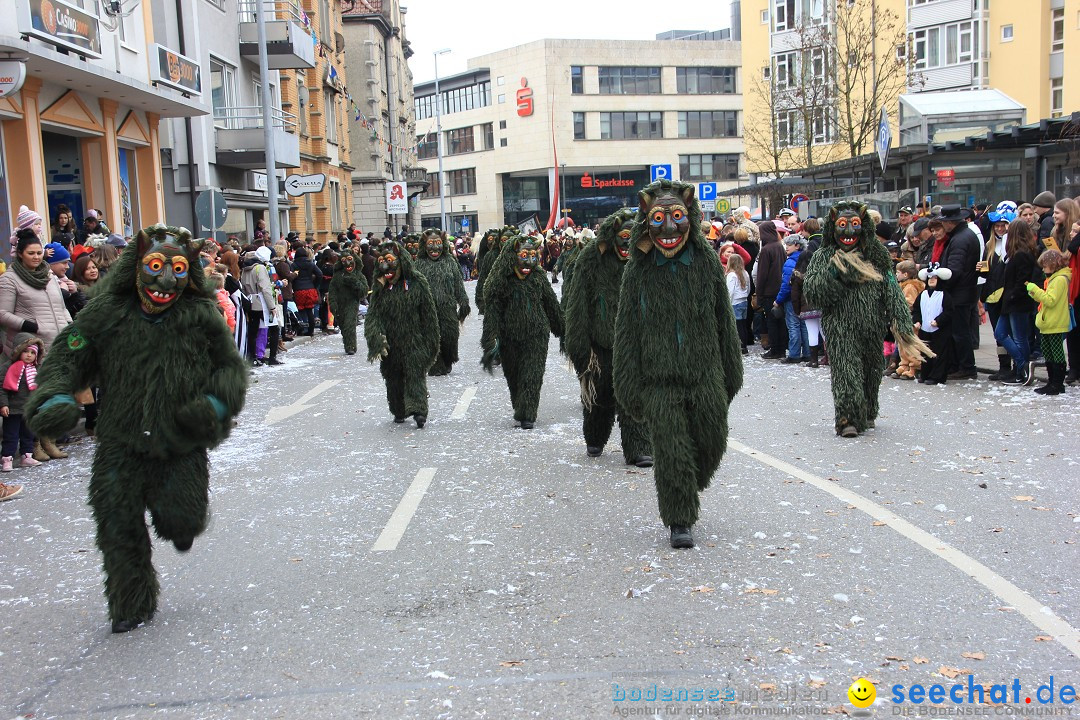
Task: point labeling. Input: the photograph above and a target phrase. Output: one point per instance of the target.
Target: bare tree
(761, 134)
(874, 67)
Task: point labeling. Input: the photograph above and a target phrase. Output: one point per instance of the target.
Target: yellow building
(317, 98)
(1019, 47)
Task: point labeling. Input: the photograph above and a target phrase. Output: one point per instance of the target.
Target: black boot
(815, 353)
(1005, 369)
(593, 451)
(273, 334)
(681, 537)
(1055, 385)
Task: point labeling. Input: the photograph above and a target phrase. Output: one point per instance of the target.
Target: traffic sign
(660, 172)
(723, 206)
(708, 207)
(884, 139)
(211, 209)
(297, 185)
(798, 199)
(465, 223)
(706, 191)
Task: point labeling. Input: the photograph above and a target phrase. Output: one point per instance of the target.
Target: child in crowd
(1053, 318)
(932, 313)
(738, 285)
(225, 303)
(20, 379)
(911, 286)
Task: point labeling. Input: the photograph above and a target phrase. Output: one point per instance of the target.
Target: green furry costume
(851, 279)
(412, 245)
(488, 246)
(565, 264)
(402, 330)
(505, 234)
(348, 288)
(678, 360)
(443, 273)
(171, 380)
(521, 309)
(590, 304)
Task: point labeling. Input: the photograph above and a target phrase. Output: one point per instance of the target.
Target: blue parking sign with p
(660, 172)
(706, 191)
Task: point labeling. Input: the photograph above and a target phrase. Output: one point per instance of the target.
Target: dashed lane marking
(463, 404)
(399, 521)
(1038, 614)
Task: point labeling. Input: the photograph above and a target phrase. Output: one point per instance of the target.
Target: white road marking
(284, 412)
(399, 521)
(463, 404)
(1038, 614)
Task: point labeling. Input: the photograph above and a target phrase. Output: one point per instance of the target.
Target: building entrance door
(63, 175)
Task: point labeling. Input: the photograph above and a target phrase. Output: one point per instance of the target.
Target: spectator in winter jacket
(767, 278)
(1044, 213)
(798, 349)
(961, 255)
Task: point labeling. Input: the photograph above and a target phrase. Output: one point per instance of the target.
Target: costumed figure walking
(402, 331)
(851, 280)
(438, 265)
(591, 304)
(521, 310)
(504, 236)
(412, 246)
(678, 359)
(153, 340)
(348, 288)
(489, 245)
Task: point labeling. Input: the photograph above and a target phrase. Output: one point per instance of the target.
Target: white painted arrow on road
(284, 412)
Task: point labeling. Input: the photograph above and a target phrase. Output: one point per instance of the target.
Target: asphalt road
(358, 568)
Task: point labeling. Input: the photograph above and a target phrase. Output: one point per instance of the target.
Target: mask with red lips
(433, 244)
(849, 226)
(667, 220)
(164, 267)
(526, 259)
(387, 263)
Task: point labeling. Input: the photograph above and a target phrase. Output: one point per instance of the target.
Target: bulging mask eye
(856, 223)
(841, 223)
(677, 214)
(658, 217)
(155, 265)
(180, 267)
(624, 234)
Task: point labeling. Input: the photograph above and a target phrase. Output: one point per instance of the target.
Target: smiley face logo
(862, 693)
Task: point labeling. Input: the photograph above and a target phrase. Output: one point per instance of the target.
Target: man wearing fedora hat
(961, 255)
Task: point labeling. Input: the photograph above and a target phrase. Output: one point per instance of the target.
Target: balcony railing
(275, 10)
(249, 117)
(288, 33)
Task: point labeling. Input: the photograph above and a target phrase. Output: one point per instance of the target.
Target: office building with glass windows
(578, 126)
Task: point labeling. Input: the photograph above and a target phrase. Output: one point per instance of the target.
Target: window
(631, 125)
(629, 80)
(766, 72)
(501, 80)
(784, 15)
(787, 128)
(708, 167)
(577, 80)
(1056, 98)
(709, 124)
(502, 124)
(1006, 33)
(222, 92)
(427, 146)
(459, 141)
(787, 70)
(219, 4)
(579, 126)
(705, 80)
(502, 99)
(947, 45)
(488, 131)
(330, 109)
(432, 186)
(461, 182)
(470, 97)
(817, 64)
(823, 127)
(1057, 30)
(302, 95)
(764, 17)
(325, 24)
(335, 205)
(502, 142)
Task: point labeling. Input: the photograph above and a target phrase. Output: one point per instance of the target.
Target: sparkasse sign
(587, 181)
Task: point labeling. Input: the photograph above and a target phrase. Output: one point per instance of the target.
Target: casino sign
(60, 24)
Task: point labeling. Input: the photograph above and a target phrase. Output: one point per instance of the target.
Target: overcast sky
(477, 27)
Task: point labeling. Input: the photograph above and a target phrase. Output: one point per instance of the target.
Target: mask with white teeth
(164, 267)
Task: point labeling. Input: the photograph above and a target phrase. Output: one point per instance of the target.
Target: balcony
(417, 179)
(240, 143)
(288, 44)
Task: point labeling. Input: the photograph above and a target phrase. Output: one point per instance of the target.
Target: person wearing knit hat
(1044, 212)
(56, 253)
(27, 219)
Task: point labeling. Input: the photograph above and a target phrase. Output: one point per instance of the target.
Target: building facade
(381, 124)
(83, 130)
(1018, 48)
(576, 126)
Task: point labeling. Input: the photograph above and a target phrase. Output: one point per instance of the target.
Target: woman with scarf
(31, 302)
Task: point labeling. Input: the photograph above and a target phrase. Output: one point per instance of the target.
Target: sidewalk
(986, 354)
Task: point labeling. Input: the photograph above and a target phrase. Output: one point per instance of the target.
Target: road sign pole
(268, 128)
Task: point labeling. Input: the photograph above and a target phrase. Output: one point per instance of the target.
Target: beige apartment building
(578, 125)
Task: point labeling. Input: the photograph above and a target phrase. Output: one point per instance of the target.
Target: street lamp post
(439, 140)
